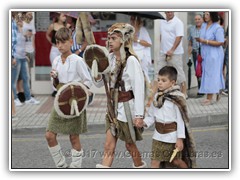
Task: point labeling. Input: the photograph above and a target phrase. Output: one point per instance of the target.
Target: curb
(195, 122)
(209, 120)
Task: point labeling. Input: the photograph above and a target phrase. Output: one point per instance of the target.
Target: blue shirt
(14, 37)
(193, 33)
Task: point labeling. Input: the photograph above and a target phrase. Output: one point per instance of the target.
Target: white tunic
(73, 70)
(168, 113)
(169, 30)
(134, 80)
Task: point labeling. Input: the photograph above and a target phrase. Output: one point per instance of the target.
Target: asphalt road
(29, 148)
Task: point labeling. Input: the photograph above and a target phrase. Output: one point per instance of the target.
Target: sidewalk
(36, 116)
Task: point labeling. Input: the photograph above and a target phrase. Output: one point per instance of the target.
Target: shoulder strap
(120, 82)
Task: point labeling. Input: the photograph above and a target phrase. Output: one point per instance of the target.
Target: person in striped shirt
(76, 48)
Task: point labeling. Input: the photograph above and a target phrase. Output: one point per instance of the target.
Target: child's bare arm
(179, 144)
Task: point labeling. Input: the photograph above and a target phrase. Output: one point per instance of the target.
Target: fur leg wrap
(101, 166)
(76, 158)
(58, 157)
(144, 165)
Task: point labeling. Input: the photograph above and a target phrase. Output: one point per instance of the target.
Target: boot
(142, 166)
(58, 157)
(76, 158)
(101, 166)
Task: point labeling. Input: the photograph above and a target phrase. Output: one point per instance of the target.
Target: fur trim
(161, 95)
(59, 112)
(123, 53)
(175, 96)
(106, 53)
(127, 32)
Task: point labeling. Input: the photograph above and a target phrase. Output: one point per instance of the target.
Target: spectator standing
(21, 66)
(13, 55)
(19, 85)
(226, 62)
(29, 32)
(142, 44)
(59, 22)
(194, 46)
(171, 49)
(76, 48)
(212, 40)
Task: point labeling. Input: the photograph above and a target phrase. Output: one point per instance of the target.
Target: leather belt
(125, 96)
(165, 128)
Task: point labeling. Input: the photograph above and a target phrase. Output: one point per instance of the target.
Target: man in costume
(124, 84)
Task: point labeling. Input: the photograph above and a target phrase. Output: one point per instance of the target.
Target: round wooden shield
(98, 53)
(68, 95)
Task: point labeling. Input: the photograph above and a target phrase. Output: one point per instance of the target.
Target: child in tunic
(127, 78)
(168, 112)
(70, 68)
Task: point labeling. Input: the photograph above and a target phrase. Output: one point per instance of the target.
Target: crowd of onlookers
(208, 39)
(23, 48)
